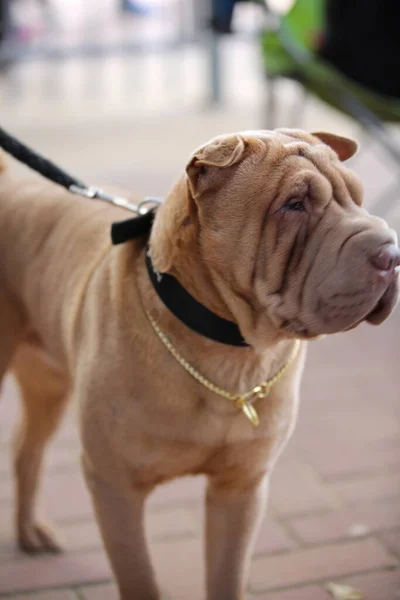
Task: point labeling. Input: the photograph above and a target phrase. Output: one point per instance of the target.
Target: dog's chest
(176, 443)
(155, 461)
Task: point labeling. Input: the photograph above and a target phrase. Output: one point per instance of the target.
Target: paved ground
(334, 513)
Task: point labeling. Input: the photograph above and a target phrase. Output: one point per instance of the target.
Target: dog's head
(275, 219)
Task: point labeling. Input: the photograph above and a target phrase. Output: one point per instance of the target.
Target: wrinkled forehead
(289, 142)
(297, 151)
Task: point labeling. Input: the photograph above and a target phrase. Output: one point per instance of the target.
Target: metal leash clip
(99, 194)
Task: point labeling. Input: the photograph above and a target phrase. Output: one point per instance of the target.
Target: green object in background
(304, 25)
(291, 51)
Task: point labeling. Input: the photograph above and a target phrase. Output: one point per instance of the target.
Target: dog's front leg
(234, 510)
(119, 513)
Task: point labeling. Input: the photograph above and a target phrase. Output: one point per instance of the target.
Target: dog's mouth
(386, 303)
(384, 306)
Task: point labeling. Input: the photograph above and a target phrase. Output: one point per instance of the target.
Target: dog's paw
(36, 538)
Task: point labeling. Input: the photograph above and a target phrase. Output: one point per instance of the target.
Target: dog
(265, 236)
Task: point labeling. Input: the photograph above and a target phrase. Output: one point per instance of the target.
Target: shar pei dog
(184, 347)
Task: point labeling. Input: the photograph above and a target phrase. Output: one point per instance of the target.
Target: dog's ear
(207, 161)
(344, 147)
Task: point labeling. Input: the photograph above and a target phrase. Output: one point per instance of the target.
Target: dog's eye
(295, 204)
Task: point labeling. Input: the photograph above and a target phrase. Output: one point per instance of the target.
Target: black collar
(178, 300)
(188, 310)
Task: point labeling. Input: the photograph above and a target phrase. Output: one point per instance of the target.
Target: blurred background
(135, 84)
(120, 92)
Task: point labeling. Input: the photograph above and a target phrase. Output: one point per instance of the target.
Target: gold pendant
(249, 411)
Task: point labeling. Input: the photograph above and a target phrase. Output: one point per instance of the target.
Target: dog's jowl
(184, 347)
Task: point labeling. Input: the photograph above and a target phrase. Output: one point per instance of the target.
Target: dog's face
(278, 221)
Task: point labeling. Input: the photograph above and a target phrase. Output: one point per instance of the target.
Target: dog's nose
(387, 258)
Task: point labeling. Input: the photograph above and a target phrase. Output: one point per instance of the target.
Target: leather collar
(191, 312)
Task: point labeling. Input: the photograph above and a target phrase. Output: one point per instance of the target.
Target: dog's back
(50, 241)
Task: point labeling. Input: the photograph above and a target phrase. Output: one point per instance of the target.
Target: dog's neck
(192, 312)
(174, 250)
(194, 276)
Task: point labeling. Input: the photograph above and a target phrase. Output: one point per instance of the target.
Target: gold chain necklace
(242, 401)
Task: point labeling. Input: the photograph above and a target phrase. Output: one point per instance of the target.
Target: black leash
(35, 161)
(178, 300)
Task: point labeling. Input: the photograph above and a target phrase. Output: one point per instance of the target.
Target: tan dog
(265, 229)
